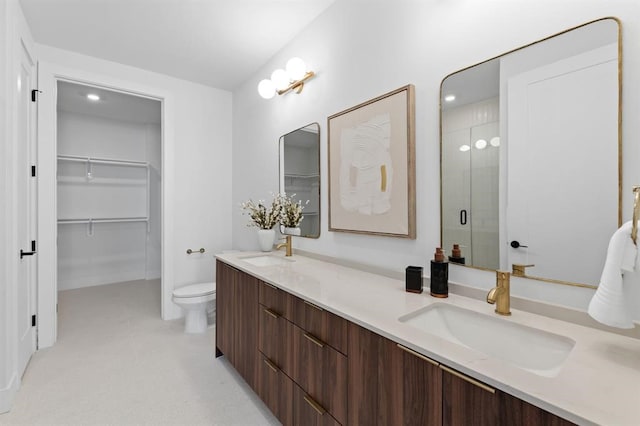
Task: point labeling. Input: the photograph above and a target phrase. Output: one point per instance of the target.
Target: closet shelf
(109, 161)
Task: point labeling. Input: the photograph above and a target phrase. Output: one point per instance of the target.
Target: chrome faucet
(500, 294)
(286, 244)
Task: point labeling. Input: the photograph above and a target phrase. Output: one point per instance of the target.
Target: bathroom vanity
(327, 344)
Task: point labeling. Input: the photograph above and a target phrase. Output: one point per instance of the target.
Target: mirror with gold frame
(300, 175)
(530, 156)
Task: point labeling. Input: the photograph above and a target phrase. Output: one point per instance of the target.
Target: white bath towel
(610, 304)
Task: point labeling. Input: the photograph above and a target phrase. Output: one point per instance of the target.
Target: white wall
(113, 252)
(14, 32)
(195, 169)
(360, 50)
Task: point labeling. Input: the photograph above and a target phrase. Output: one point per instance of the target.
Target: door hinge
(33, 320)
(33, 171)
(34, 95)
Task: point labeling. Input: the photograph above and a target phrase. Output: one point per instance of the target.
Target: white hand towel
(610, 304)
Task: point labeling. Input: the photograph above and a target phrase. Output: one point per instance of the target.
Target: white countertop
(599, 382)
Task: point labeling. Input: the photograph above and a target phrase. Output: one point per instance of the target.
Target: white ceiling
(219, 43)
(113, 105)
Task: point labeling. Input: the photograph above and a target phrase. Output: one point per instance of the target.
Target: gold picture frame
(372, 168)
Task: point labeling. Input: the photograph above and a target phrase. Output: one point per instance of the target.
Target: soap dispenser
(456, 255)
(439, 275)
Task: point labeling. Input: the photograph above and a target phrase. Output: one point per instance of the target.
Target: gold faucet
(500, 294)
(286, 244)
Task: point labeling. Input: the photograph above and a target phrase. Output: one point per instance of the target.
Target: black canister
(413, 279)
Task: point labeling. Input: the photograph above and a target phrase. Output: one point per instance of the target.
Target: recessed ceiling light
(450, 98)
(93, 97)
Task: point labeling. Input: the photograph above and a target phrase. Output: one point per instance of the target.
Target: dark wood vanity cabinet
(312, 367)
(389, 385)
(237, 320)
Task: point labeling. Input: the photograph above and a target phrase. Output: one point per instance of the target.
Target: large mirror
(530, 149)
(300, 175)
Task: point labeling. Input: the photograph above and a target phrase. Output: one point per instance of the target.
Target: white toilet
(198, 303)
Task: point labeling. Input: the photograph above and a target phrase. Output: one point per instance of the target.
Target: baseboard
(8, 394)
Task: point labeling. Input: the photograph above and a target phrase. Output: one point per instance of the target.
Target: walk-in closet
(109, 187)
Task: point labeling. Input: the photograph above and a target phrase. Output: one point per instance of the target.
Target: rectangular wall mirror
(300, 174)
(530, 156)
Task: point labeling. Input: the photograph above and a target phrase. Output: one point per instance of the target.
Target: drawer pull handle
(271, 313)
(314, 340)
(270, 285)
(313, 306)
(414, 353)
(315, 405)
(468, 379)
(271, 365)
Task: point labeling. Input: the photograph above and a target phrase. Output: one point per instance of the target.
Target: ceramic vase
(291, 231)
(266, 238)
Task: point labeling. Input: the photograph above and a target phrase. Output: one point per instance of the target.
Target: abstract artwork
(372, 166)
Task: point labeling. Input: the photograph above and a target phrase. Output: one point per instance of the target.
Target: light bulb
(280, 79)
(481, 144)
(267, 89)
(296, 68)
(93, 97)
(495, 141)
(464, 148)
(450, 98)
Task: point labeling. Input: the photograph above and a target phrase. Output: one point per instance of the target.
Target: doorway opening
(109, 186)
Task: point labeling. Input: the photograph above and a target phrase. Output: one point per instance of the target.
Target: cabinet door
(321, 371)
(225, 317)
(467, 401)
(274, 338)
(323, 324)
(246, 327)
(308, 412)
(276, 390)
(390, 384)
(514, 411)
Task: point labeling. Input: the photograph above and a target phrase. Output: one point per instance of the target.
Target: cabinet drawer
(320, 371)
(309, 412)
(274, 337)
(273, 298)
(276, 390)
(329, 327)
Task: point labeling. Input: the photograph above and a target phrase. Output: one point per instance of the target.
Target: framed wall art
(372, 166)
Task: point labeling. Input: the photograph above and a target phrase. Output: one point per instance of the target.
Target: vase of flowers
(291, 215)
(264, 218)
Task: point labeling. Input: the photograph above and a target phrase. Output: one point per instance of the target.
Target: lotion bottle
(456, 255)
(439, 275)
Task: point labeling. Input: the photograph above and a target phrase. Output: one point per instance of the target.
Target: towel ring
(636, 212)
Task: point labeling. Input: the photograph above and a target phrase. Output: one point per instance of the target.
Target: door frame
(48, 76)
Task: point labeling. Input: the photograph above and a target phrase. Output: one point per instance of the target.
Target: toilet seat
(195, 290)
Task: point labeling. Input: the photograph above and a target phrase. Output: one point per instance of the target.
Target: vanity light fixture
(93, 97)
(283, 81)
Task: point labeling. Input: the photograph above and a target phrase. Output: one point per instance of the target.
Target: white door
(26, 211)
(563, 121)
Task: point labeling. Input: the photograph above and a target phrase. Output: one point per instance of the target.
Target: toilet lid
(193, 290)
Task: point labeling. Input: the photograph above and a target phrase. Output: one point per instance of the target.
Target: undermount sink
(531, 349)
(266, 260)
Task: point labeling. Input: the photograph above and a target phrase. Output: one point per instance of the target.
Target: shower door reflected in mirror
(530, 148)
(300, 174)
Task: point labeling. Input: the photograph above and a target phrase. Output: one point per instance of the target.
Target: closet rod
(103, 161)
(104, 220)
